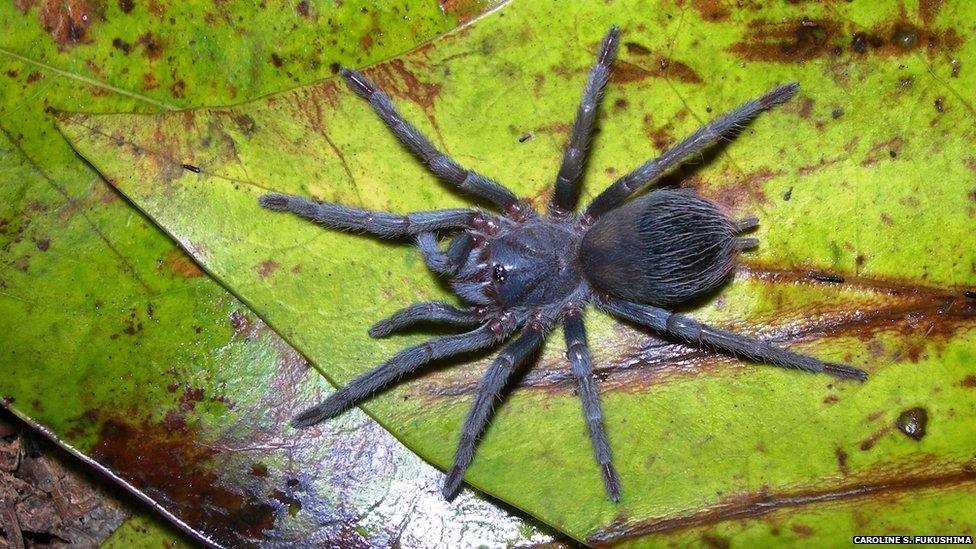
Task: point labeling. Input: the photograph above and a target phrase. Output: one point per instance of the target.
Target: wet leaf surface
(863, 185)
(116, 343)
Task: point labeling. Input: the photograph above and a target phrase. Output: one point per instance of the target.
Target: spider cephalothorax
(632, 258)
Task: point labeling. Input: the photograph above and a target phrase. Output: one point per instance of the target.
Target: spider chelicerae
(634, 259)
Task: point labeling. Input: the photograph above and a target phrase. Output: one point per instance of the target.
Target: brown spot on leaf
(633, 48)
(398, 80)
(802, 530)
(785, 41)
(928, 10)
(663, 67)
(151, 46)
(22, 263)
(245, 123)
(33, 77)
(880, 150)
(302, 8)
(968, 382)
(67, 21)
(711, 10)
(181, 265)
(243, 325)
(122, 45)
(132, 325)
(801, 106)
(43, 244)
(792, 41)
(266, 267)
(912, 422)
(841, 461)
(190, 397)
(126, 5)
(178, 88)
(276, 60)
(869, 442)
(716, 542)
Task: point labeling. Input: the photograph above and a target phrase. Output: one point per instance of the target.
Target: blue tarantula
(634, 259)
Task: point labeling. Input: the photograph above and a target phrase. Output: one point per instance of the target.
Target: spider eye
(498, 273)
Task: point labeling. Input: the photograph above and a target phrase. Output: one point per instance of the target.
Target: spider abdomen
(663, 248)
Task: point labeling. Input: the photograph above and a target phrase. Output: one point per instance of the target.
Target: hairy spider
(635, 259)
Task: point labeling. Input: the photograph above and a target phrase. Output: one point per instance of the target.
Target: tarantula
(634, 259)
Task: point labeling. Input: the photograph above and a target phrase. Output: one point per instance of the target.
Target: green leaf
(116, 343)
(864, 177)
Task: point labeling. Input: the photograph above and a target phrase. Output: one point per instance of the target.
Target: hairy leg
(564, 198)
(691, 330)
(579, 357)
(651, 170)
(379, 223)
(436, 259)
(489, 391)
(439, 164)
(402, 363)
(430, 311)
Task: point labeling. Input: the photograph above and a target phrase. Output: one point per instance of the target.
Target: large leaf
(864, 190)
(116, 343)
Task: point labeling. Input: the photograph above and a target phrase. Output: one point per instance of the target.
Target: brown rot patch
(889, 484)
(150, 45)
(266, 267)
(841, 461)
(245, 123)
(122, 45)
(633, 48)
(397, 80)
(712, 10)
(786, 41)
(799, 40)
(912, 422)
(870, 441)
(661, 66)
(180, 264)
(883, 150)
(68, 21)
(173, 468)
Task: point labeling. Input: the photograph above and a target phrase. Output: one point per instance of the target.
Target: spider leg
(437, 162)
(691, 330)
(579, 357)
(564, 198)
(378, 223)
(436, 259)
(436, 311)
(489, 391)
(402, 363)
(651, 170)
